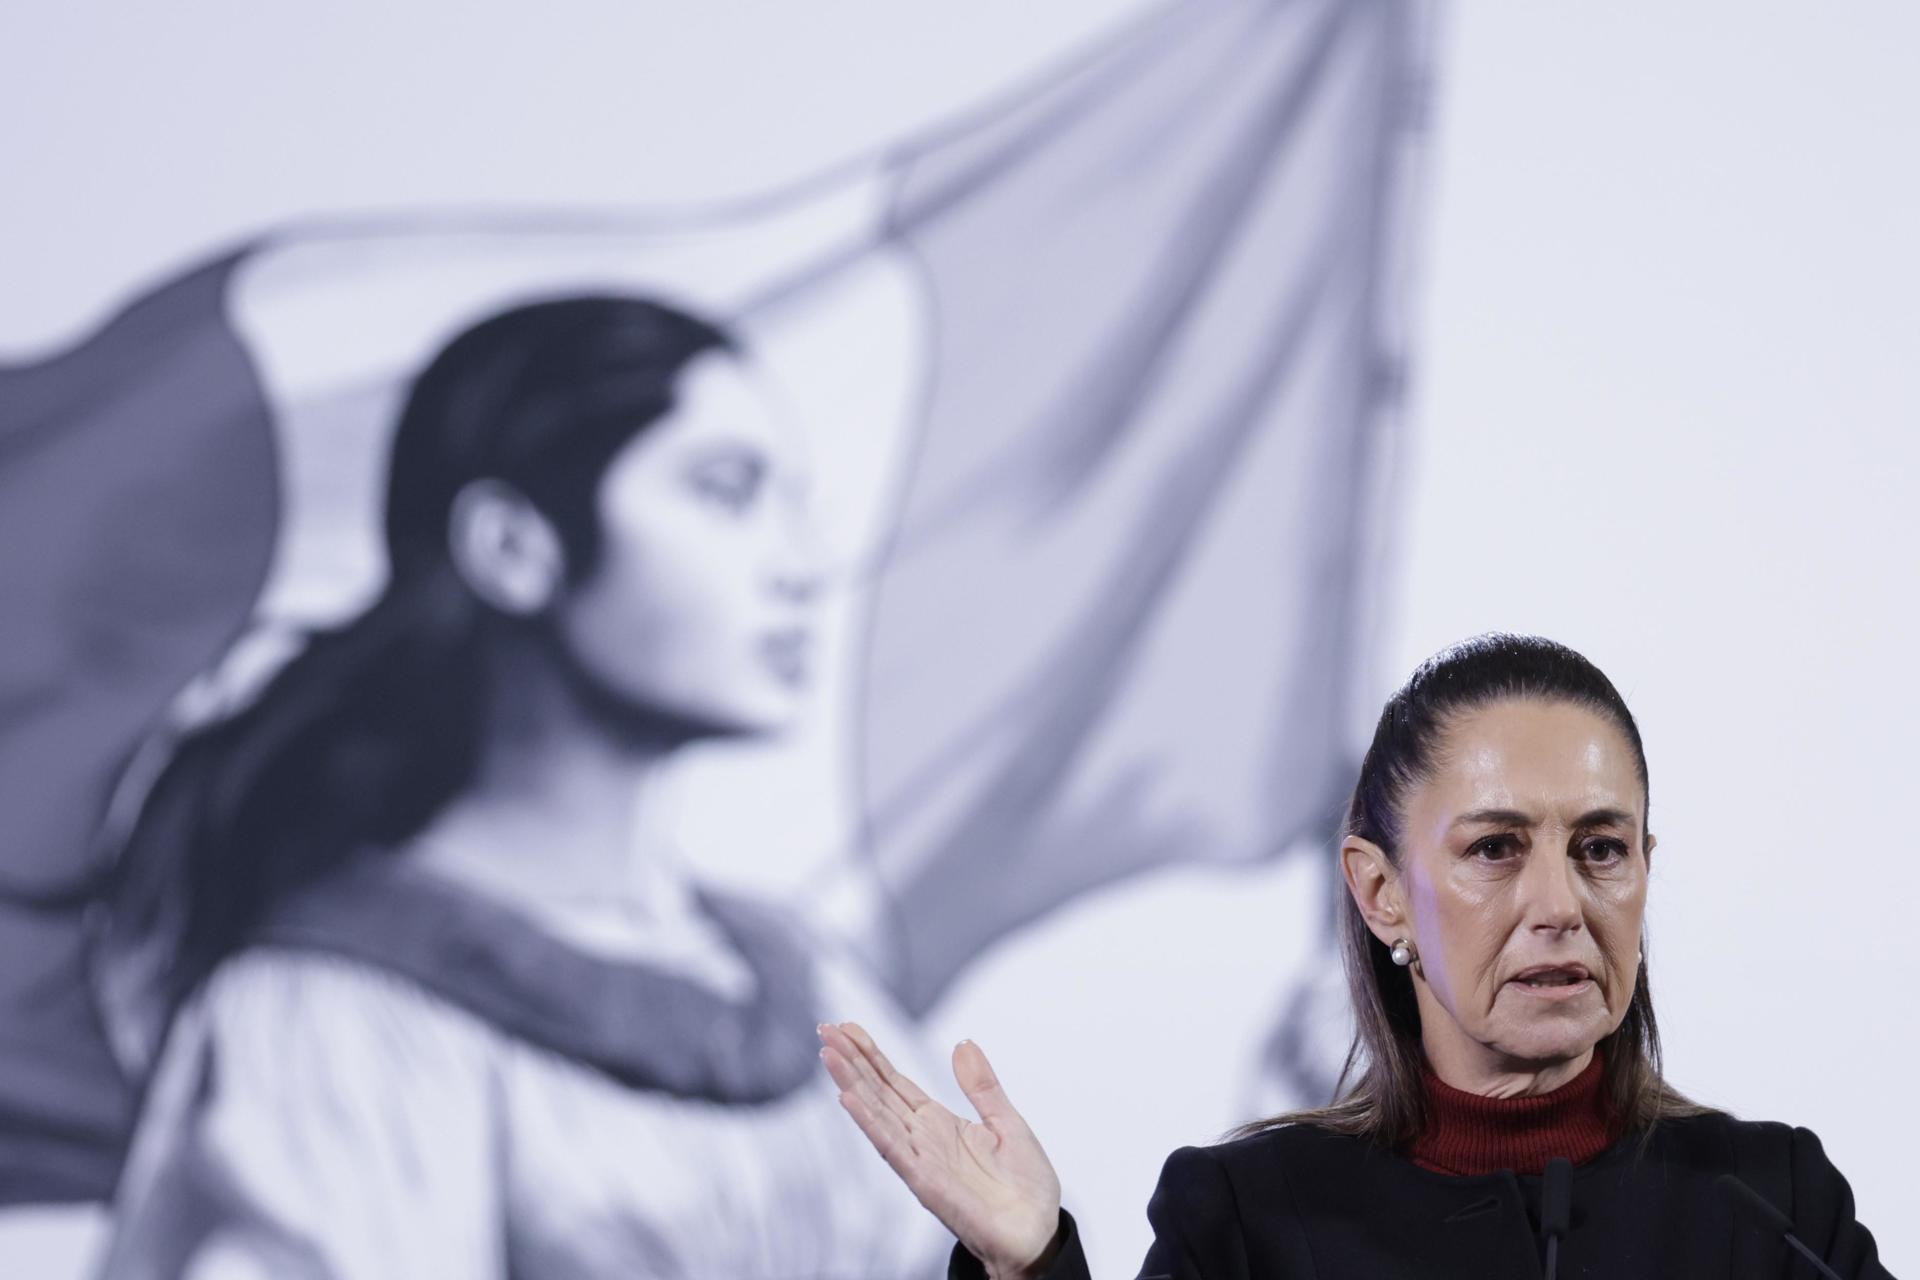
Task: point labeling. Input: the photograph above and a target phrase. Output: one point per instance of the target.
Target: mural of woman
(425, 987)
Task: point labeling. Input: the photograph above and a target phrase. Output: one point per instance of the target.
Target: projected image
(490, 684)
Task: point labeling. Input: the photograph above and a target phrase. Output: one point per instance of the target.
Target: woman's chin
(1547, 1046)
(748, 719)
(1555, 1036)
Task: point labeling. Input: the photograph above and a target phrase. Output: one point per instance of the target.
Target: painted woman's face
(701, 605)
(1523, 884)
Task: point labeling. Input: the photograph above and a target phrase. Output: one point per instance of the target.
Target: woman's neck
(561, 805)
(555, 835)
(1476, 1069)
(1467, 1134)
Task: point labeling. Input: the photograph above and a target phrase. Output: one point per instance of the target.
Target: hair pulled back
(1386, 1102)
(373, 726)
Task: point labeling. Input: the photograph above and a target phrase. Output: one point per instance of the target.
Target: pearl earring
(1403, 953)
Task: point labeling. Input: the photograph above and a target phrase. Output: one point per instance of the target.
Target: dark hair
(1387, 1102)
(374, 726)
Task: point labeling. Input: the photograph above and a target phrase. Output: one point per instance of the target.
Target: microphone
(1774, 1218)
(1556, 1208)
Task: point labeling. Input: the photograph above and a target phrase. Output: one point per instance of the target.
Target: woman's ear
(1375, 885)
(505, 550)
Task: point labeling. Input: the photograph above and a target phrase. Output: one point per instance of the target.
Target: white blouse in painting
(403, 1078)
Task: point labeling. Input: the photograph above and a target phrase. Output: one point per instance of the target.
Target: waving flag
(1099, 376)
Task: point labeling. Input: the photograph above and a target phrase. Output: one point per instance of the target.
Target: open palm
(989, 1182)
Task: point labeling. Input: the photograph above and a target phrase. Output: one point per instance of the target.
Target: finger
(924, 1177)
(868, 1088)
(852, 1079)
(863, 1073)
(885, 1122)
(839, 1067)
(907, 1089)
(881, 1128)
(888, 1136)
(976, 1078)
(844, 1073)
(867, 1070)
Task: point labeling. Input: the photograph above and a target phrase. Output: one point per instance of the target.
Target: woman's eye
(1494, 848)
(733, 484)
(1603, 850)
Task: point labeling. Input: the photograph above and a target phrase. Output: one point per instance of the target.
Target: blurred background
(1657, 270)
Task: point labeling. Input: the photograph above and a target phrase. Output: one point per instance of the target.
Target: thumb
(976, 1079)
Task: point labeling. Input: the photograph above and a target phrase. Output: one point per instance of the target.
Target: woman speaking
(1507, 1115)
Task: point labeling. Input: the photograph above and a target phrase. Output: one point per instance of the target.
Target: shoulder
(1784, 1161)
(1274, 1165)
(274, 983)
(310, 1107)
(1718, 1142)
(1787, 1167)
(289, 1018)
(1712, 1141)
(1296, 1145)
(1261, 1192)
(288, 1063)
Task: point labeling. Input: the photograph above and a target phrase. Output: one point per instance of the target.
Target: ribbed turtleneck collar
(1467, 1134)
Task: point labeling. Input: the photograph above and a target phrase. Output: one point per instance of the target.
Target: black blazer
(1302, 1203)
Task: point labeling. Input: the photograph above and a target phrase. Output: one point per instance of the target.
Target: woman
(1495, 858)
(429, 992)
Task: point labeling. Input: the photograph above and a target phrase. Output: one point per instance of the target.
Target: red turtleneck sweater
(1467, 1134)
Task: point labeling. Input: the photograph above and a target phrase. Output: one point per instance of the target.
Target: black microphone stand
(1556, 1208)
(1779, 1221)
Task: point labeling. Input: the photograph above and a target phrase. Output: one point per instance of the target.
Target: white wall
(1668, 402)
(1663, 410)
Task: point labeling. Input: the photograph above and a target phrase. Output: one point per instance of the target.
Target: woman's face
(700, 606)
(1522, 885)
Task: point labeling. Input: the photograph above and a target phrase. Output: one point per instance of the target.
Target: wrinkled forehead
(1550, 759)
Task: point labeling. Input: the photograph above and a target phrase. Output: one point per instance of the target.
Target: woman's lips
(1553, 991)
(786, 654)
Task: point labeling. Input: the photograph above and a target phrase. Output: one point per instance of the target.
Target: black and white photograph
(866, 642)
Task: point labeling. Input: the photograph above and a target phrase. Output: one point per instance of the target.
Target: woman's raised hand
(989, 1182)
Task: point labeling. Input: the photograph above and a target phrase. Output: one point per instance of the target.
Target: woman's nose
(800, 568)
(796, 585)
(1553, 894)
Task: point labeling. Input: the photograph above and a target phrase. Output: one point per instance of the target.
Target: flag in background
(1116, 624)
(1095, 377)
